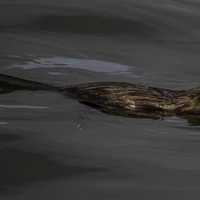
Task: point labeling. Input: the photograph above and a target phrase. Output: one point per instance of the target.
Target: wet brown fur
(119, 98)
(134, 100)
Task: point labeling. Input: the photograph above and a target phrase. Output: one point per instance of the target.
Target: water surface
(53, 147)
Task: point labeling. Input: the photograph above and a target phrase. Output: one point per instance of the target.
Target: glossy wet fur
(127, 99)
(118, 98)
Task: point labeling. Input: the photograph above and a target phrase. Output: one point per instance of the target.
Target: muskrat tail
(11, 83)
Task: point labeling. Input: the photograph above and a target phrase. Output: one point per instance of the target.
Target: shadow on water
(20, 167)
(9, 138)
(192, 121)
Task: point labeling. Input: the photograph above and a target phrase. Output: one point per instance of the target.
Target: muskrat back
(126, 99)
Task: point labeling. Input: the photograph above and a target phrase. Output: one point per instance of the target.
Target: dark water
(52, 147)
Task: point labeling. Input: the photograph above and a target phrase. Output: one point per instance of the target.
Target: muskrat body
(118, 98)
(133, 100)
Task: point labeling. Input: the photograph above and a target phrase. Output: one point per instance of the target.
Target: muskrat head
(195, 105)
(189, 102)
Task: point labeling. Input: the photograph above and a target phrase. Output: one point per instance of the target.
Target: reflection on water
(23, 106)
(3, 123)
(74, 63)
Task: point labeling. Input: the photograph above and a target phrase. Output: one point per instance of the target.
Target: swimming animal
(119, 98)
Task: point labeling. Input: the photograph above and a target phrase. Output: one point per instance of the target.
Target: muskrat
(119, 98)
